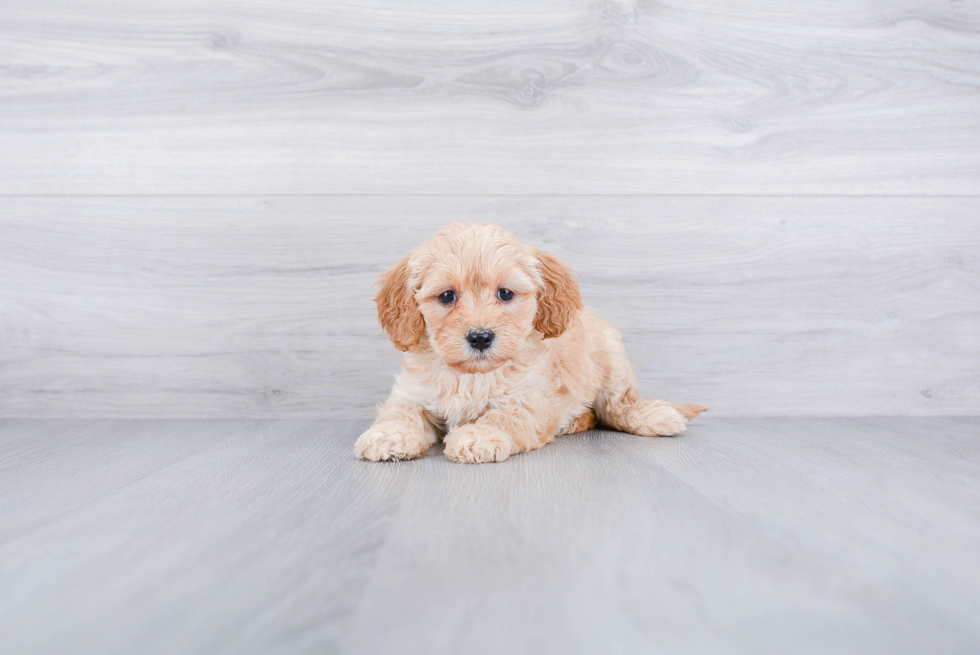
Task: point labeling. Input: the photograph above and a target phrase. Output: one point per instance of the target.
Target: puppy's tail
(688, 410)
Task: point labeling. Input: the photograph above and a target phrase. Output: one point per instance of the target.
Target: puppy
(500, 355)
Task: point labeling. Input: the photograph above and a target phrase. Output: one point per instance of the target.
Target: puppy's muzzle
(479, 339)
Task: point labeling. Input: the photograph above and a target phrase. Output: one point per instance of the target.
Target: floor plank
(616, 96)
(259, 542)
(69, 464)
(762, 536)
(743, 535)
(263, 306)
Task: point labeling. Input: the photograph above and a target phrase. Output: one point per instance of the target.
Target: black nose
(480, 339)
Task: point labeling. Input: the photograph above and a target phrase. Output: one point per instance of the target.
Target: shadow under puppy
(500, 355)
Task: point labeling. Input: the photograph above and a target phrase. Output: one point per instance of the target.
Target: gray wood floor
(744, 535)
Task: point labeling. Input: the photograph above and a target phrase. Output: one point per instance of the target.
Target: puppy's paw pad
(651, 420)
(471, 444)
(386, 441)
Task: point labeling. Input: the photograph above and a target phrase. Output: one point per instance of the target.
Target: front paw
(477, 444)
(390, 440)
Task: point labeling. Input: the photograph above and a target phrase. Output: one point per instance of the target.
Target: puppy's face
(478, 294)
(477, 312)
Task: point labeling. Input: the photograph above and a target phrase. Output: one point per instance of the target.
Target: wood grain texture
(616, 96)
(755, 536)
(261, 541)
(743, 535)
(263, 306)
(90, 460)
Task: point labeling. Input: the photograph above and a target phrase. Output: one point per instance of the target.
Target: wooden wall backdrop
(263, 306)
(777, 203)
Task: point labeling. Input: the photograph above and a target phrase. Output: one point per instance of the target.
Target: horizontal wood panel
(263, 306)
(108, 97)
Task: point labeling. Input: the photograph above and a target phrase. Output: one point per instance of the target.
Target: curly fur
(554, 366)
(559, 299)
(398, 313)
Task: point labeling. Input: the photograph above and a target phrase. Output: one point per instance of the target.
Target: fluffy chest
(454, 398)
(466, 398)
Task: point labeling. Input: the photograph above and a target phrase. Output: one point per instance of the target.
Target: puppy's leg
(627, 412)
(619, 404)
(498, 434)
(584, 421)
(400, 432)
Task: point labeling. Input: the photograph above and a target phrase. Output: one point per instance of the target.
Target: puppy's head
(477, 294)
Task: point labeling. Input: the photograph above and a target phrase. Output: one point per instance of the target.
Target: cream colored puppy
(500, 355)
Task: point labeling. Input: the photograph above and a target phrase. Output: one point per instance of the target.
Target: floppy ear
(559, 300)
(398, 312)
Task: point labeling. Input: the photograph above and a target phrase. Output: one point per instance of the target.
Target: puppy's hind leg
(619, 404)
(627, 412)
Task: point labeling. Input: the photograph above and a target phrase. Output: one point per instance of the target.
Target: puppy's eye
(505, 294)
(447, 297)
